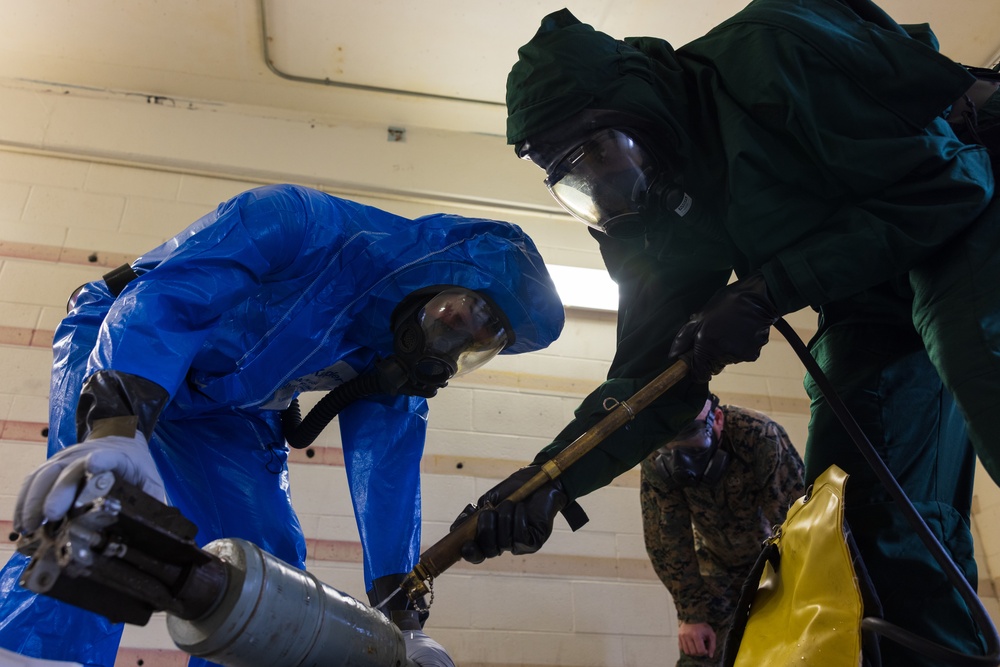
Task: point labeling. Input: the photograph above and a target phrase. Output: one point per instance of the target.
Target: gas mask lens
(461, 333)
(605, 182)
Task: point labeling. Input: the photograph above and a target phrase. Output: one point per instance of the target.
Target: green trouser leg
(956, 309)
(885, 378)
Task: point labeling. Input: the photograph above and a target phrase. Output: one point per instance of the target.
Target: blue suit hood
(283, 281)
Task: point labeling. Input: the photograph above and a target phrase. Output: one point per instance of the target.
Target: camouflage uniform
(703, 539)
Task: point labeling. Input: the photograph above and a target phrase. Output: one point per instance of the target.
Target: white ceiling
(321, 51)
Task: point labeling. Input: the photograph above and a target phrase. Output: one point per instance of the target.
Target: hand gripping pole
(447, 551)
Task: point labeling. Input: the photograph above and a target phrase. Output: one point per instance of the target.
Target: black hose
(300, 433)
(886, 629)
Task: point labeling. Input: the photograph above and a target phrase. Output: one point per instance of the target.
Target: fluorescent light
(584, 288)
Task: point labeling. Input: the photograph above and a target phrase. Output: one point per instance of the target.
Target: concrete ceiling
(432, 63)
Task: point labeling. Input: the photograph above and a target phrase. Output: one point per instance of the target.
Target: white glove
(48, 493)
(424, 651)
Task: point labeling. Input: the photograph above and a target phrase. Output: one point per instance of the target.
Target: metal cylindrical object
(276, 615)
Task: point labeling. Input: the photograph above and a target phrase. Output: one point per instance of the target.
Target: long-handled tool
(447, 551)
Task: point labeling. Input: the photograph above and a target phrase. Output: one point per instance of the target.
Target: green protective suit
(815, 147)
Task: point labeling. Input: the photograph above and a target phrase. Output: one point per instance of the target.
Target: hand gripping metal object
(124, 555)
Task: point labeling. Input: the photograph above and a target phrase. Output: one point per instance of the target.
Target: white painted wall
(90, 174)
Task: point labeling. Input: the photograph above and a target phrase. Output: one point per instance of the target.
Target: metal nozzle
(414, 584)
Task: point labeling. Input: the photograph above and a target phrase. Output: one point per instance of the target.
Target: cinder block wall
(69, 211)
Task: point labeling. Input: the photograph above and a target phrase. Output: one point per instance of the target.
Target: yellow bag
(808, 589)
(808, 600)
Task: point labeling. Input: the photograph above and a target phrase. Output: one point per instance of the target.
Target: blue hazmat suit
(280, 290)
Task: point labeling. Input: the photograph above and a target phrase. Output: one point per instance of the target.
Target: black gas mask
(694, 456)
(438, 333)
(604, 169)
(452, 333)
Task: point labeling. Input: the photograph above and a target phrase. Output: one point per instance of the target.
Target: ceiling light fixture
(578, 287)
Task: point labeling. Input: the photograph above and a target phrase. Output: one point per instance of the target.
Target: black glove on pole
(535, 521)
(518, 527)
(732, 327)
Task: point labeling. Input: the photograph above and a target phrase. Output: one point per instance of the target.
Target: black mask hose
(387, 377)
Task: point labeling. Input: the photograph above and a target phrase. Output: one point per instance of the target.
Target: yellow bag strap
(881, 626)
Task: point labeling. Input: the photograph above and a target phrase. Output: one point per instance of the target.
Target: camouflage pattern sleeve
(666, 526)
(780, 472)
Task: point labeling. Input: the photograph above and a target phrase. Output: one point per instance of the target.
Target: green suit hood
(568, 66)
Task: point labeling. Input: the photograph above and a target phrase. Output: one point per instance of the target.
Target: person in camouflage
(709, 498)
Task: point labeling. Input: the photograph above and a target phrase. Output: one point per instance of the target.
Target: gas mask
(694, 457)
(453, 333)
(438, 333)
(601, 166)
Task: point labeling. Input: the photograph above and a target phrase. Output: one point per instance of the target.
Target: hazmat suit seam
(306, 295)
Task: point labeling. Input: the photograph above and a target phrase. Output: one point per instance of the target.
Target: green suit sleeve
(842, 171)
(656, 296)
(877, 236)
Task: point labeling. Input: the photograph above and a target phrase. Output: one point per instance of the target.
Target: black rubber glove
(116, 401)
(732, 327)
(520, 528)
(400, 610)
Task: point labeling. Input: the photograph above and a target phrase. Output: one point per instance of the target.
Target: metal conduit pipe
(275, 615)
(265, 41)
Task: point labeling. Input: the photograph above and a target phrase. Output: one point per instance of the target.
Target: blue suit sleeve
(157, 325)
(74, 339)
(383, 442)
